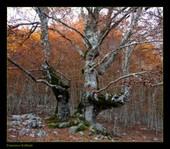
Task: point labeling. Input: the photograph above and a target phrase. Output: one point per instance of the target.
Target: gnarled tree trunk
(62, 108)
(62, 95)
(89, 112)
(93, 103)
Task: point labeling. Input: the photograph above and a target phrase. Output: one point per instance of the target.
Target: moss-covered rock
(81, 127)
(53, 122)
(64, 125)
(73, 129)
(92, 130)
(53, 125)
(75, 120)
(86, 123)
(77, 124)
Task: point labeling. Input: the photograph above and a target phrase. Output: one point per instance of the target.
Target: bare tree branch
(32, 30)
(137, 43)
(120, 11)
(158, 16)
(109, 28)
(125, 41)
(58, 72)
(33, 77)
(21, 24)
(157, 84)
(77, 48)
(123, 77)
(66, 25)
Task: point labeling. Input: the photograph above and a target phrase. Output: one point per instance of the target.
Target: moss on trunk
(62, 110)
(80, 108)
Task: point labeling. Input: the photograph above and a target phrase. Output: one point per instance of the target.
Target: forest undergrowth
(137, 133)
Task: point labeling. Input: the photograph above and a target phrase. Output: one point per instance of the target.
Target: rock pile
(27, 124)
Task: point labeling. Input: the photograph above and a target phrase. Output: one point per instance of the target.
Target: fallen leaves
(135, 134)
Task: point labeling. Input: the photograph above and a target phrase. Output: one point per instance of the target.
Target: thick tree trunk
(88, 110)
(90, 77)
(62, 108)
(92, 103)
(62, 95)
(90, 84)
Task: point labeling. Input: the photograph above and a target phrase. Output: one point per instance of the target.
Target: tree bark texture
(93, 103)
(42, 13)
(90, 76)
(61, 94)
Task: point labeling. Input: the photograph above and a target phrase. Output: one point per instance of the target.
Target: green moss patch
(78, 122)
(53, 125)
(81, 127)
(80, 108)
(54, 78)
(52, 119)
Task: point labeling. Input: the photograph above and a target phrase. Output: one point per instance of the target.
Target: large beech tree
(98, 23)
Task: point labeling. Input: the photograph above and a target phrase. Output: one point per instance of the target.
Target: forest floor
(136, 134)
